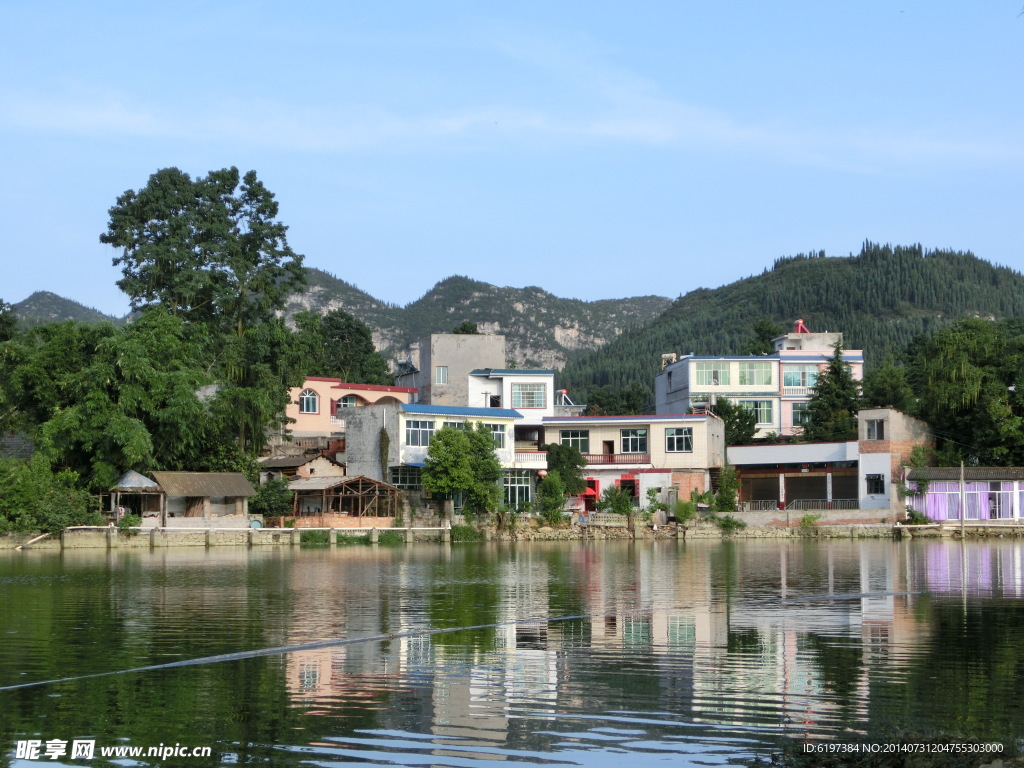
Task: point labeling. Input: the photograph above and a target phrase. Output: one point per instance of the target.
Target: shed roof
(133, 481)
(971, 474)
(204, 484)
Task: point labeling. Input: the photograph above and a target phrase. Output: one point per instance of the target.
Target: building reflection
(779, 635)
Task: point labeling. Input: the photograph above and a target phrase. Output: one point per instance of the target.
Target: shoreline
(154, 538)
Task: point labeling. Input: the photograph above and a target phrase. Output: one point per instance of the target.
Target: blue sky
(595, 149)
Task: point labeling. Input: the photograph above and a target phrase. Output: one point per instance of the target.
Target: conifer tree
(833, 406)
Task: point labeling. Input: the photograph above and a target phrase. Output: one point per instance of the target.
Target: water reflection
(572, 654)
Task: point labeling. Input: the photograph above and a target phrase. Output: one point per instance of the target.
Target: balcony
(617, 458)
(530, 459)
(798, 391)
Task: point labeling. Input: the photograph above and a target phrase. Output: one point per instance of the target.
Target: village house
(989, 493)
(316, 413)
(390, 443)
(777, 387)
(672, 454)
(862, 474)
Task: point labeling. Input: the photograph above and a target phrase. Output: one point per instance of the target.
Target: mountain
(880, 299)
(45, 307)
(541, 329)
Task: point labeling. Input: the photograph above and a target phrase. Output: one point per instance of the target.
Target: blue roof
(458, 410)
(512, 372)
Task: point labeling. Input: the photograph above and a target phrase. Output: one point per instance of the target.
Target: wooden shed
(355, 496)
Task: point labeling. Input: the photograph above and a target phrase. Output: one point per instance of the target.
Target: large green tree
(887, 387)
(834, 402)
(338, 345)
(485, 492)
(447, 468)
(969, 382)
(208, 249)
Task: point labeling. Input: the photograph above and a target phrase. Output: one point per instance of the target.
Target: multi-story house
(777, 387)
(317, 412)
(677, 453)
(399, 457)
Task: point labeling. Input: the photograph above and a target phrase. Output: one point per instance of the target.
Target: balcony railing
(531, 459)
(804, 504)
(617, 458)
(798, 391)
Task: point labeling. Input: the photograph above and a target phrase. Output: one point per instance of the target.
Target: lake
(557, 654)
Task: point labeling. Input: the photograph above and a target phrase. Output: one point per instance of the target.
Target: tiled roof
(971, 474)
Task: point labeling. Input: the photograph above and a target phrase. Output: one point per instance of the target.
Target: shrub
(315, 537)
(807, 521)
(727, 523)
(390, 538)
(684, 510)
(128, 524)
(348, 538)
(272, 499)
(917, 518)
(35, 498)
(466, 533)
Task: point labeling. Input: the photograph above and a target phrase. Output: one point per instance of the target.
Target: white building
(777, 387)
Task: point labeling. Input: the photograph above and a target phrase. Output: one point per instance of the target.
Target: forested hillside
(880, 299)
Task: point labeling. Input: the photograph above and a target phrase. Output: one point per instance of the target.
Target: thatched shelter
(205, 494)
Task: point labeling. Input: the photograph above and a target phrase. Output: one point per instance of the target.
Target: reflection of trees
(969, 679)
(465, 593)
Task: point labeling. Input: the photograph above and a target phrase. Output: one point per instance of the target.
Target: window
(712, 374)
(763, 409)
(679, 439)
(578, 438)
(348, 401)
(454, 424)
(799, 375)
(309, 401)
(518, 487)
(876, 429)
(418, 432)
(633, 440)
(529, 395)
(498, 433)
(801, 414)
(875, 485)
(755, 373)
(440, 374)
(407, 478)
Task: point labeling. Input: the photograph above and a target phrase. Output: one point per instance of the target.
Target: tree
(8, 322)
(485, 492)
(568, 463)
(619, 501)
(551, 497)
(340, 346)
(834, 403)
(740, 422)
(887, 387)
(209, 250)
(272, 499)
(728, 485)
(608, 401)
(969, 382)
(765, 331)
(34, 498)
(466, 328)
(447, 469)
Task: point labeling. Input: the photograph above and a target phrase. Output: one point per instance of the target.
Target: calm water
(599, 654)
